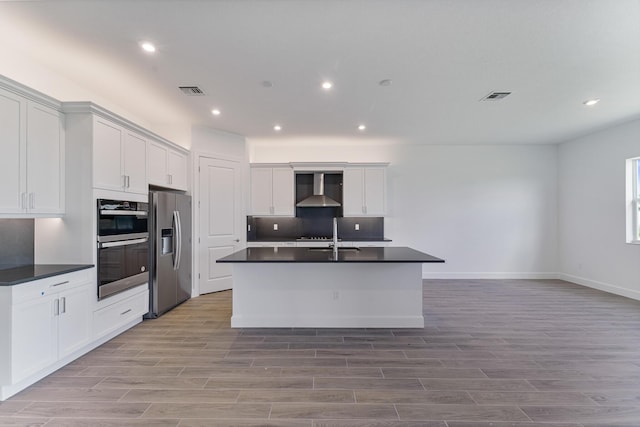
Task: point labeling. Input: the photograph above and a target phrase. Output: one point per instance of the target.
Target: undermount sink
(347, 249)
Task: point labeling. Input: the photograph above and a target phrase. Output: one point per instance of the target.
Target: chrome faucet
(334, 238)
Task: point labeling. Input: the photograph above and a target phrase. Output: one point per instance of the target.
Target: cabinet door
(74, 320)
(177, 168)
(13, 122)
(353, 202)
(157, 164)
(261, 189)
(45, 160)
(34, 336)
(374, 191)
(282, 191)
(135, 160)
(107, 155)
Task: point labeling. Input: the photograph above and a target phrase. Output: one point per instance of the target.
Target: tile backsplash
(262, 228)
(16, 242)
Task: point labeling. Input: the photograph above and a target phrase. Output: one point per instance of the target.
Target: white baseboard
(606, 287)
(488, 275)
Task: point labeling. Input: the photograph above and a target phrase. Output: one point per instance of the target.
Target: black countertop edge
(297, 239)
(27, 273)
(388, 254)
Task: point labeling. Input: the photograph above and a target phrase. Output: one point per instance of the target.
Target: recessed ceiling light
(362, 127)
(277, 128)
(385, 82)
(215, 112)
(591, 102)
(327, 85)
(148, 47)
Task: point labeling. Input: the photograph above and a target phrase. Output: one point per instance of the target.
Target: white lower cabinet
(120, 312)
(43, 321)
(50, 322)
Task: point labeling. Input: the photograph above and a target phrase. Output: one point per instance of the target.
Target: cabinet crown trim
(87, 107)
(318, 166)
(31, 94)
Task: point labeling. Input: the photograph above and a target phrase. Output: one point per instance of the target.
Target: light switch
(357, 227)
(275, 227)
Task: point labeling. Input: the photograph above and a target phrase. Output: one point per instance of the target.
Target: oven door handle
(122, 243)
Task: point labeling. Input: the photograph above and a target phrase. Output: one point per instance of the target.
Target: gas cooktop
(314, 238)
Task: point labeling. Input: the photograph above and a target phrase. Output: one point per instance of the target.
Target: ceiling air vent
(191, 90)
(496, 96)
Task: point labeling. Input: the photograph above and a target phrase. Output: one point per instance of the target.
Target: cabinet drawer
(110, 318)
(49, 285)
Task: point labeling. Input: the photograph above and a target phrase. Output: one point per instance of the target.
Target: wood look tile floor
(499, 353)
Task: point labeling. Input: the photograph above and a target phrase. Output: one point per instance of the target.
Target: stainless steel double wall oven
(123, 245)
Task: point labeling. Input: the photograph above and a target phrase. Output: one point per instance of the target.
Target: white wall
(32, 56)
(489, 211)
(592, 248)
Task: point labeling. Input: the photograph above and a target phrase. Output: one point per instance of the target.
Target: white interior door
(221, 221)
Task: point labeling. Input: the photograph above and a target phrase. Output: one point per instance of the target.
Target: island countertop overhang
(393, 254)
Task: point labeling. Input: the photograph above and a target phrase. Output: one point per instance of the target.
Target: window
(633, 200)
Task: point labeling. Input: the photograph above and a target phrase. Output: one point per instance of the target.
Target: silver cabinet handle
(64, 305)
(236, 240)
(61, 283)
(56, 307)
(125, 312)
(23, 200)
(32, 200)
(128, 181)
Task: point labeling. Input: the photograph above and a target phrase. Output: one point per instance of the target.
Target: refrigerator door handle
(178, 239)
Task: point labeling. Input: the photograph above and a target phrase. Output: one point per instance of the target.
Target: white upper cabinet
(364, 191)
(13, 162)
(119, 158)
(32, 161)
(177, 168)
(45, 160)
(134, 163)
(272, 191)
(166, 167)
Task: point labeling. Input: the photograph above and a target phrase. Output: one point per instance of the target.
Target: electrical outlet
(275, 227)
(357, 227)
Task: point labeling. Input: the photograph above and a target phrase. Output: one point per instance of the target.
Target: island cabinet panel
(32, 161)
(119, 158)
(327, 295)
(364, 191)
(272, 191)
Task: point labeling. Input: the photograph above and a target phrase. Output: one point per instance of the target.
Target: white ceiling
(442, 55)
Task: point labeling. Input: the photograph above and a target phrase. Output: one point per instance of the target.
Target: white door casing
(220, 221)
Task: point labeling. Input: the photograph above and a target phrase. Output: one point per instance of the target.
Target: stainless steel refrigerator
(170, 251)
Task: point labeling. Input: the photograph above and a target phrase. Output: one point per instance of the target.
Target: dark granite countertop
(26, 273)
(325, 255)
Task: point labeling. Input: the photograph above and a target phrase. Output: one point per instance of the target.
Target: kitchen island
(369, 287)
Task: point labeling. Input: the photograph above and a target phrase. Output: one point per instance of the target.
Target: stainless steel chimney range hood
(318, 200)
